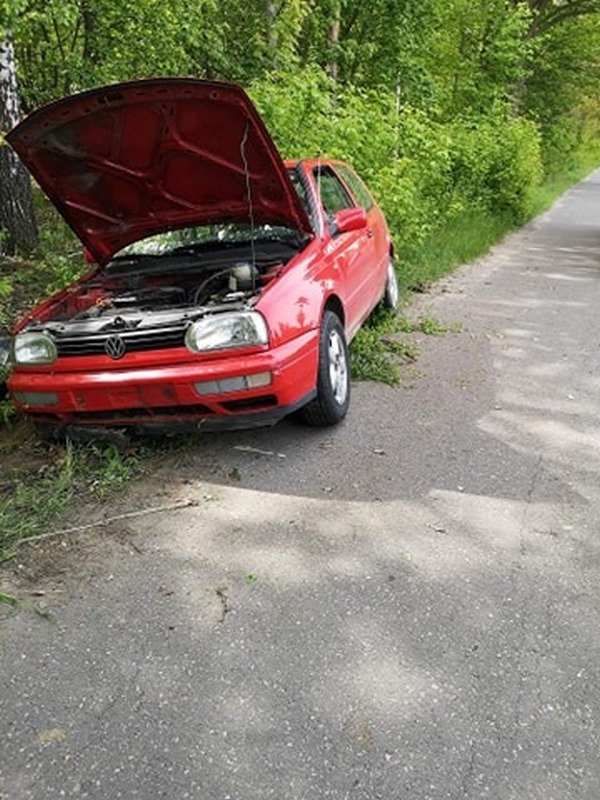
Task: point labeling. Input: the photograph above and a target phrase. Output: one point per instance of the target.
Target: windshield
(207, 237)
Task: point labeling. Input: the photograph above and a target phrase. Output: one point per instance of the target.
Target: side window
(357, 187)
(300, 190)
(334, 196)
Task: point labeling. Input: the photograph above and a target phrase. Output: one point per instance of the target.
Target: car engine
(114, 302)
(151, 304)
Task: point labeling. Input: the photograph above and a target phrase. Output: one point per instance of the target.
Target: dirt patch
(44, 575)
(84, 540)
(21, 451)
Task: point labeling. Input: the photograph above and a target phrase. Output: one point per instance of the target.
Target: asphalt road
(404, 608)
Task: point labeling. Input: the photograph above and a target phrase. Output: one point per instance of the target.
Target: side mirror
(350, 219)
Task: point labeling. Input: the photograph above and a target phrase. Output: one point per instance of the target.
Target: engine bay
(146, 293)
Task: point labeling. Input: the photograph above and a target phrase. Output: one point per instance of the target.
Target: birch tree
(18, 229)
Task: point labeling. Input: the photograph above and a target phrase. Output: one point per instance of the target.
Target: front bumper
(165, 396)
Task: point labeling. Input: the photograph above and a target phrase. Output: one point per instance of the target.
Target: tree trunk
(334, 39)
(18, 228)
(272, 37)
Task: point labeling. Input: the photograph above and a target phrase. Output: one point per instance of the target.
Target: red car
(226, 284)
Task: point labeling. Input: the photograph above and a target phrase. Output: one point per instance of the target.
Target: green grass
(556, 184)
(372, 357)
(31, 503)
(378, 350)
(464, 239)
(428, 324)
(380, 347)
(471, 234)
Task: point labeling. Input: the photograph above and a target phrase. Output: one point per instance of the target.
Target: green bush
(297, 108)
(424, 173)
(496, 163)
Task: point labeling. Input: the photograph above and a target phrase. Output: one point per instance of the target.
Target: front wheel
(333, 377)
(391, 293)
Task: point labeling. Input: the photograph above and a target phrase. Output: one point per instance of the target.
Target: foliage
(427, 324)
(453, 110)
(372, 354)
(297, 108)
(496, 162)
(448, 59)
(58, 261)
(459, 240)
(5, 294)
(116, 469)
(76, 471)
(424, 172)
(31, 505)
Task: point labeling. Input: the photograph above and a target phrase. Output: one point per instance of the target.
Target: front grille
(135, 341)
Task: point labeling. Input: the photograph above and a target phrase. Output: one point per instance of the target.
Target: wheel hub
(338, 368)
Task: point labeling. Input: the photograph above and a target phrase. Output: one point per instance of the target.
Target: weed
(234, 474)
(34, 501)
(429, 325)
(405, 351)
(9, 599)
(370, 358)
(7, 411)
(43, 613)
(113, 469)
(378, 348)
(6, 290)
(32, 504)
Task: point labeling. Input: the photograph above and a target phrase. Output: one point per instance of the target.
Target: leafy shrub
(424, 173)
(496, 163)
(297, 108)
(5, 293)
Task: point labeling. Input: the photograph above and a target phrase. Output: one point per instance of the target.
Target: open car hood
(126, 161)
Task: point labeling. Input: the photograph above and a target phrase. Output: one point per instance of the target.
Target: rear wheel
(333, 377)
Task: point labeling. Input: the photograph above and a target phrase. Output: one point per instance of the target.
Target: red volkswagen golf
(226, 283)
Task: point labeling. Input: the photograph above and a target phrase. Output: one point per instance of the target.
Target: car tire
(391, 294)
(333, 376)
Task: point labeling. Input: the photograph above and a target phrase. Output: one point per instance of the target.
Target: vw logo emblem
(114, 347)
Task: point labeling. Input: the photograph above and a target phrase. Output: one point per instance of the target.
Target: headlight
(225, 331)
(33, 348)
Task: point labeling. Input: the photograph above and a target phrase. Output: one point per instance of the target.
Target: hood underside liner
(131, 160)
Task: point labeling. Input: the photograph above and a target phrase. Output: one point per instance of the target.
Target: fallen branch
(102, 523)
(247, 449)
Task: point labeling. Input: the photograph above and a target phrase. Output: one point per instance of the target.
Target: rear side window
(332, 192)
(356, 186)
